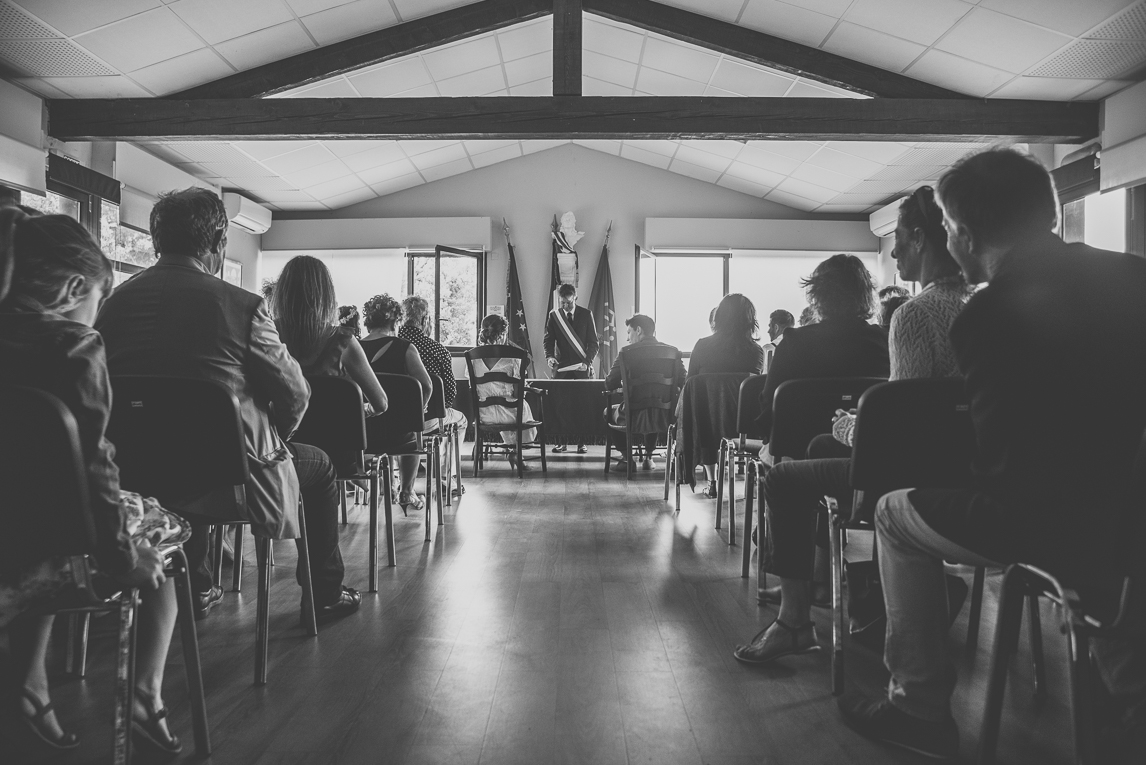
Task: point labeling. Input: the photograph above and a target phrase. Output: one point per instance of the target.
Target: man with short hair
(570, 342)
(179, 319)
(416, 329)
(1055, 437)
(778, 322)
(642, 333)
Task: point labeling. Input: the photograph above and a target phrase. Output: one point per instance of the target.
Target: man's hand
(552, 362)
(148, 571)
(840, 414)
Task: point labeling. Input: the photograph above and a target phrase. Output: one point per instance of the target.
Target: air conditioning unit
(883, 220)
(246, 214)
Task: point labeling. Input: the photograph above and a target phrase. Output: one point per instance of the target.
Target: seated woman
(494, 331)
(390, 354)
(59, 278)
(307, 310)
(919, 347)
(732, 347)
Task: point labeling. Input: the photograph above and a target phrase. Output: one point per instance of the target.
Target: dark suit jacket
(175, 319)
(835, 348)
(558, 347)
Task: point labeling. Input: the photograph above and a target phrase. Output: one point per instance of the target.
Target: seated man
(779, 322)
(178, 319)
(641, 331)
(415, 330)
(1055, 437)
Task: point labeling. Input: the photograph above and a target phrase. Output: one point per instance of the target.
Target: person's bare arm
(419, 373)
(358, 367)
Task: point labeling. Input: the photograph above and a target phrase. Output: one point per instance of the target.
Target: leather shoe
(205, 601)
(348, 601)
(582, 449)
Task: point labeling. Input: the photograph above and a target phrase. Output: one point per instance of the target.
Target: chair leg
(372, 556)
(438, 479)
(1006, 640)
(628, 456)
(668, 462)
(458, 460)
(76, 658)
(191, 662)
(749, 508)
(1034, 627)
(125, 676)
(428, 505)
(217, 554)
(720, 466)
(449, 476)
(976, 610)
(262, 615)
(730, 468)
(477, 452)
(520, 462)
(836, 542)
(608, 450)
(237, 562)
(342, 497)
(309, 621)
(541, 443)
(1082, 709)
(387, 506)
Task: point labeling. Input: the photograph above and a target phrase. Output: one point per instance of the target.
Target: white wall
(22, 145)
(243, 246)
(597, 187)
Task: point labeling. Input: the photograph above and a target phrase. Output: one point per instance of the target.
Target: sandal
(710, 490)
(151, 729)
(411, 500)
(757, 652)
(38, 726)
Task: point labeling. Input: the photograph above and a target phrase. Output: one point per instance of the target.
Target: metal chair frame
(734, 451)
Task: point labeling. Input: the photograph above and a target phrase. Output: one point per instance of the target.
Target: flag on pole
(514, 306)
(602, 305)
(555, 273)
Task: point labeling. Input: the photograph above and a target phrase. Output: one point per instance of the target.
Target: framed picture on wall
(233, 272)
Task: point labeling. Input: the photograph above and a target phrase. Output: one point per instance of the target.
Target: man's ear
(74, 290)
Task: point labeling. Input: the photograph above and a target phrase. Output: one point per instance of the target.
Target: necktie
(569, 316)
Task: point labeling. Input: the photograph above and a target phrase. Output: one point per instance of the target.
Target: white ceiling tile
(182, 72)
(261, 150)
(311, 205)
(349, 20)
(382, 173)
(726, 149)
(244, 168)
(1110, 87)
(747, 80)
(930, 154)
(619, 42)
(72, 18)
(829, 7)
(322, 191)
(807, 190)
(590, 86)
(347, 148)
(872, 47)
(609, 69)
(628, 151)
(425, 91)
(337, 87)
(792, 200)
(467, 56)
(679, 59)
(529, 69)
(847, 164)
(1001, 41)
(307, 7)
(877, 151)
(755, 175)
(316, 174)
(382, 154)
(665, 147)
(907, 172)
(703, 159)
(141, 40)
(350, 198)
(532, 147)
(1046, 88)
(114, 86)
(478, 83)
(394, 185)
(493, 156)
(299, 159)
(413, 9)
(694, 171)
(798, 150)
(834, 209)
(413, 148)
(445, 155)
(861, 200)
(265, 185)
(603, 146)
(921, 21)
(743, 186)
(542, 87)
(711, 91)
(290, 196)
(958, 74)
(664, 84)
(1070, 16)
(527, 39)
(266, 45)
(777, 163)
(725, 10)
(805, 89)
(391, 78)
(219, 20)
(40, 87)
(787, 21)
(821, 176)
(875, 188)
(209, 151)
(474, 148)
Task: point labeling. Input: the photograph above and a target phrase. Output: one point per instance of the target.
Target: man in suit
(179, 319)
(570, 342)
(1055, 438)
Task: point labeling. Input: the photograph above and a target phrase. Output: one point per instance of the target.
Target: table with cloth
(572, 411)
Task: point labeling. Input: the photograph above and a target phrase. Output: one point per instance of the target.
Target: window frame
(479, 254)
(655, 253)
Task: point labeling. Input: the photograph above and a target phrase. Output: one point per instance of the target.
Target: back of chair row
(803, 409)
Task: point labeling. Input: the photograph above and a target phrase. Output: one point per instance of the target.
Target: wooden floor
(567, 619)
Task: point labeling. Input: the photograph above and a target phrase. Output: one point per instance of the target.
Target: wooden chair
(485, 433)
(335, 422)
(179, 438)
(735, 451)
(42, 467)
(649, 393)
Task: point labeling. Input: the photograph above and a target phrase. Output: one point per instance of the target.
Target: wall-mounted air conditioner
(883, 220)
(246, 214)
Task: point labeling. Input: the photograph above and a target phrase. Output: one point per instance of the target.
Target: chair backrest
(491, 354)
(748, 407)
(335, 420)
(711, 403)
(437, 408)
(648, 378)
(176, 437)
(403, 413)
(44, 511)
(803, 409)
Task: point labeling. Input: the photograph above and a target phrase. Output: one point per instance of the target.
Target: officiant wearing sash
(570, 341)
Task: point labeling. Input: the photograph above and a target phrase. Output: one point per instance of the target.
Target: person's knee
(778, 481)
(890, 510)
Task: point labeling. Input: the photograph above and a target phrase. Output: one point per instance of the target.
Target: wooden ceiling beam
(611, 117)
(566, 47)
(764, 49)
(372, 48)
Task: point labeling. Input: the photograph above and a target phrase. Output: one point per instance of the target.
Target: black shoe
(152, 732)
(347, 603)
(559, 448)
(205, 601)
(882, 721)
(582, 449)
(37, 725)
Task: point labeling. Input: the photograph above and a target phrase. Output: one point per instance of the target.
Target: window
(1098, 220)
(678, 289)
(52, 204)
(453, 281)
(771, 279)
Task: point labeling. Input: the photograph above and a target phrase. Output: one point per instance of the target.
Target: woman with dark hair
(58, 281)
(494, 330)
(390, 354)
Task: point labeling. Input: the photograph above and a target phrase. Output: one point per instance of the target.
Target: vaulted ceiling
(1047, 49)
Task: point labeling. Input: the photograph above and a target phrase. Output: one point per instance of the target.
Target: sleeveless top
(328, 361)
(393, 361)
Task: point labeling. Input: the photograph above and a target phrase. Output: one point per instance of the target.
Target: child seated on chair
(493, 332)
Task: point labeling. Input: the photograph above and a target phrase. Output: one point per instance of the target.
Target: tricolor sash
(570, 335)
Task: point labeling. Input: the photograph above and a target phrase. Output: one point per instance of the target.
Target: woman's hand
(148, 571)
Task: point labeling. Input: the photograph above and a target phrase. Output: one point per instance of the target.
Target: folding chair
(707, 417)
(42, 467)
(649, 392)
(735, 451)
(485, 433)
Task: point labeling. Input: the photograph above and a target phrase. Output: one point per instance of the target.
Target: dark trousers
(319, 502)
(648, 439)
(793, 491)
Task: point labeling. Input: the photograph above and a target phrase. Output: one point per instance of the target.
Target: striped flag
(603, 308)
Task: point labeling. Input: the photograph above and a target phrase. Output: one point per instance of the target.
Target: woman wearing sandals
(58, 280)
